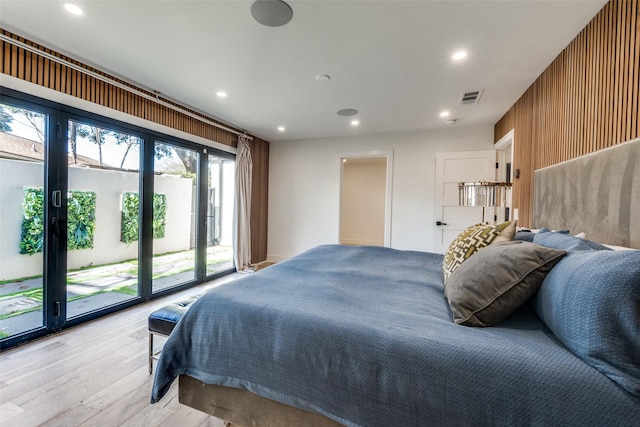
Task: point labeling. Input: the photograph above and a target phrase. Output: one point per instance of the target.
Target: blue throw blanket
(364, 336)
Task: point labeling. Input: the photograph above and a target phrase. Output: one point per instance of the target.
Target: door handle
(54, 226)
(440, 223)
(56, 198)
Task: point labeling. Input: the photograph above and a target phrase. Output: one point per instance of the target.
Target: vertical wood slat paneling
(634, 68)
(14, 63)
(6, 53)
(618, 76)
(586, 100)
(259, 199)
(624, 130)
(610, 43)
(636, 73)
(595, 79)
(25, 65)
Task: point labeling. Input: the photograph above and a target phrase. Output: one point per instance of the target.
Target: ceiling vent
(471, 97)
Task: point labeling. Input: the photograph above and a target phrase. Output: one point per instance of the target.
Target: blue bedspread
(364, 336)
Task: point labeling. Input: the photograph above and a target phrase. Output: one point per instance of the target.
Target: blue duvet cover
(364, 336)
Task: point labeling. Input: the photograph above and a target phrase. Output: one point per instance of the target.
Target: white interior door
(451, 169)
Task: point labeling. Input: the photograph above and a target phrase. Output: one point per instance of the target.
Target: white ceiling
(391, 60)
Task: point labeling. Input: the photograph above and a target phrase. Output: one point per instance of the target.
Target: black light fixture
(272, 13)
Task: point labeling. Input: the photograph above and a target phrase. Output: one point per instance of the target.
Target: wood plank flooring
(94, 374)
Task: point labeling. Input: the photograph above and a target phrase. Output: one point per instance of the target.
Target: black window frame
(56, 177)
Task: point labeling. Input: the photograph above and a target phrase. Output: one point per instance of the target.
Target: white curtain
(244, 166)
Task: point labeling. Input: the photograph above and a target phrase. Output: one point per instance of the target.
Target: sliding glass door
(24, 153)
(98, 215)
(220, 202)
(174, 215)
(102, 217)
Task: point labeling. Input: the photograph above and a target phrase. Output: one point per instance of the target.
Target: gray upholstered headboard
(598, 193)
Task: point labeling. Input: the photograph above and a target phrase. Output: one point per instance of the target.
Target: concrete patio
(97, 287)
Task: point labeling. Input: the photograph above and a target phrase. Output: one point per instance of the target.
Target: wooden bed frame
(570, 194)
(243, 408)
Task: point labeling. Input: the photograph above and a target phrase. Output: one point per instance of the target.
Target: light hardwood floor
(94, 374)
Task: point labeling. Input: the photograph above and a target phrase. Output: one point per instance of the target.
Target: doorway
(451, 169)
(365, 199)
(504, 147)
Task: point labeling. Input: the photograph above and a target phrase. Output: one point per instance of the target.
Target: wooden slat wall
(25, 65)
(587, 99)
(259, 199)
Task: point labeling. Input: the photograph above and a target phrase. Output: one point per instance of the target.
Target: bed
(369, 336)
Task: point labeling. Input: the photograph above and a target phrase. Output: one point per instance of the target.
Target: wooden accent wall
(25, 65)
(259, 198)
(587, 99)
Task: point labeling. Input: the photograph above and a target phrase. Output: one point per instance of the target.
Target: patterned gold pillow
(471, 240)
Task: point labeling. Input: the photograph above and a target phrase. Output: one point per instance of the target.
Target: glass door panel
(22, 157)
(220, 202)
(102, 218)
(174, 216)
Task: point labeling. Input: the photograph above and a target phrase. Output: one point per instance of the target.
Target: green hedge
(81, 219)
(81, 224)
(159, 215)
(32, 233)
(129, 224)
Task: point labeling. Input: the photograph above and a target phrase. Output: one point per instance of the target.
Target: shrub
(81, 224)
(32, 230)
(81, 219)
(130, 224)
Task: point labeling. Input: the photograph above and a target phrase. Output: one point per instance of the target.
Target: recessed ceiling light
(281, 128)
(72, 8)
(355, 122)
(461, 54)
(221, 94)
(444, 114)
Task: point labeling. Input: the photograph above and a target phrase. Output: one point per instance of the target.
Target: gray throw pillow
(497, 280)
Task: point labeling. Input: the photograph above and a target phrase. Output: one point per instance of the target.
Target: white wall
(304, 186)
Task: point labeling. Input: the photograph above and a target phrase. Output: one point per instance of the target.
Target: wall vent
(471, 97)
